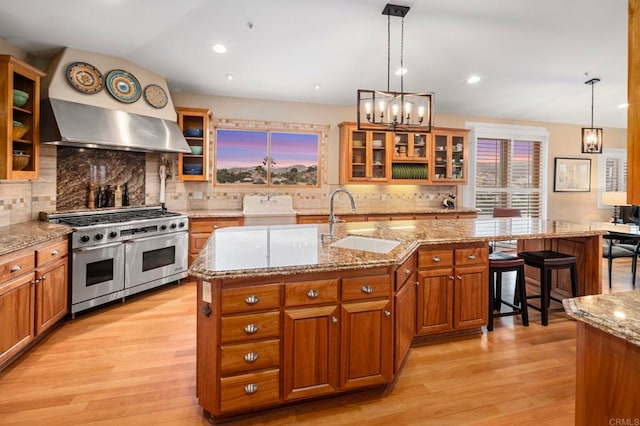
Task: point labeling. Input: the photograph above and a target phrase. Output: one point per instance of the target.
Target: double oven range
(116, 253)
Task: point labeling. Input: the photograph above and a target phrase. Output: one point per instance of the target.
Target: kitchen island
(286, 317)
(608, 357)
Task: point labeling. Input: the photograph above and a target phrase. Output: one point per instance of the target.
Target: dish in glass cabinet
(84, 77)
(123, 86)
(155, 96)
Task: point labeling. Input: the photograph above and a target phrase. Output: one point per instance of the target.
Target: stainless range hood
(80, 125)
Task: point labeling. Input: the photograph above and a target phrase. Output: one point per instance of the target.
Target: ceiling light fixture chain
(394, 111)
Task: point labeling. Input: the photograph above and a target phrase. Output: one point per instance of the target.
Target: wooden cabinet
(16, 118)
(194, 123)
(364, 155)
(384, 217)
(450, 149)
(452, 289)
(33, 295)
(200, 230)
(405, 309)
(410, 158)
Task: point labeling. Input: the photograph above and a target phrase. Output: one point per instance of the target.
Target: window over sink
(266, 158)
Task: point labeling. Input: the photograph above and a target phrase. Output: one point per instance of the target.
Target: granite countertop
(22, 235)
(237, 252)
(617, 314)
(342, 212)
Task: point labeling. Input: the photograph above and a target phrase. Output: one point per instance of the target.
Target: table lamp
(615, 199)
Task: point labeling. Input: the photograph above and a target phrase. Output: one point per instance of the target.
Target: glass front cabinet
(364, 155)
(410, 158)
(450, 149)
(194, 123)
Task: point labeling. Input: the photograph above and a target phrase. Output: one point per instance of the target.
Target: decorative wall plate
(156, 96)
(123, 86)
(84, 77)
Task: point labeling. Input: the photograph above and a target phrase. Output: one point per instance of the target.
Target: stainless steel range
(121, 252)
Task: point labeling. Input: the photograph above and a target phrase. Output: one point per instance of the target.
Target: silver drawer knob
(334, 320)
(54, 252)
(472, 256)
(313, 293)
(417, 283)
(436, 258)
(250, 357)
(408, 271)
(451, 277)
(387, 313)
(251, 300)
(251, 388)
(15, 268)
(251, 329)
(367, 289)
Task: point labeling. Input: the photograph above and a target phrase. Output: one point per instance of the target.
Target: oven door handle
(103, 246)
(141, 240)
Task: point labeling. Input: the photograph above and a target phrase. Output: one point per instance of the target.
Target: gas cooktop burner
(114, 217)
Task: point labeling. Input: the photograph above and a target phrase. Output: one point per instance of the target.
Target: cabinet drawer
(369, 287)
(249, 299)
(311, 292)
(405, 271)
(210, 225)
(435, 259)
(249, 390)
(246, 357)
(52, 252)
(472, 256)
(250, 327)
(16, 266)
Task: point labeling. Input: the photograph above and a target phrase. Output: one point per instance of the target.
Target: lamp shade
(615, 198)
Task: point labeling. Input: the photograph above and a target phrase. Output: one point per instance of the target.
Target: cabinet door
(194, 123)
(450, 154)
(405, 325)
(52, 302)
(471, 297)
(16, 316)
(311, 345)
(366, 344)
(435, 301)
(364, 155)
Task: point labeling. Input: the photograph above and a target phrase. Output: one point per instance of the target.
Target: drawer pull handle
(313, 293)
(16, 268)
(334, 320)
(408, 271)
(417, 283)
(215, 226)
(472, 256)
(367, 289)
(251, 300)
(459, 277)
(387, 313)
(251, 388)
(451, 277)
(436, 258)
(251, 329)
(250, 357)
(54, 252)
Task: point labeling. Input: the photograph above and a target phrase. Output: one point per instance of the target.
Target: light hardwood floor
(134, 364)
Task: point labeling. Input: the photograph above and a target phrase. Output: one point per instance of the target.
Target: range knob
(113, 234)
(173, 226)
(163, 227)
(85, 238)
(181, 225)
(99, 236)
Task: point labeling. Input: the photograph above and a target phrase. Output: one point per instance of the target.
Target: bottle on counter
(108, 197)
(125, 194)
(117, 197)
(99, 197)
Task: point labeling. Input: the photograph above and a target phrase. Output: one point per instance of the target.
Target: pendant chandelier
(389, 110)
(592, 136)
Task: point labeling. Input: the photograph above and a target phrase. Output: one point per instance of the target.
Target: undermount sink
(375, 245)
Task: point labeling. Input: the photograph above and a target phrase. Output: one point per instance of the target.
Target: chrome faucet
(332, 217)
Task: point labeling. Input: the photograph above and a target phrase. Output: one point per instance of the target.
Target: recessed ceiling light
(228, 76)
(317, 87)
(473, 79)
(401, 71)
(621, 106)
(219, 48)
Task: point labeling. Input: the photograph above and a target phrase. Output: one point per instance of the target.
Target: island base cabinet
(435, 301)
(311, 343)
(16, 316)
(249, 390)
(366, 342)
(471, 293)
(405, 324)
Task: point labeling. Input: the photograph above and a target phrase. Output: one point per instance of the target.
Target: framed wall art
(572, 175)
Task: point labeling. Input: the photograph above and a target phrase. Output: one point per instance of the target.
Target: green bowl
(19, 97)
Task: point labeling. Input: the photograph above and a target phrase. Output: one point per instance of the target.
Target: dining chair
(615, 250)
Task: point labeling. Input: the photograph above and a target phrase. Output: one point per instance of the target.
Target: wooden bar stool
(547, 261)
(499, 263)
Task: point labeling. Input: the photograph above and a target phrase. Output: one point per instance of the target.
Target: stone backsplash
(77, 167)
